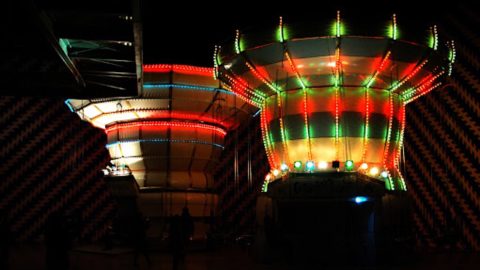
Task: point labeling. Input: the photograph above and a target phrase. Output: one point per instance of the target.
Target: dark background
(182, 32)
(49, 158)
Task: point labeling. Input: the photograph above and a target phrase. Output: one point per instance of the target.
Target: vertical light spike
(391, 183)
(337, 90)
(237, 42)
(400, 142)
(394, 27)
(307, 131)
(215, 62)
(387, 184)
(433, 38)
(285, 157)
(451, 56)
(452, 53)
(280, 35)
(403, 185)
(337, 67)
(389, 131)
(337, 143)
(365, 133)
(338, 25)
(265, 135)
(265, 186)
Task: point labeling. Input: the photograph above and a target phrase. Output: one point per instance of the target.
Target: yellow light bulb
(374, 171)
(322, 165)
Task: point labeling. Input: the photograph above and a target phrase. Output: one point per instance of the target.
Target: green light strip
(265, 135)
(294, 68)
(337, 90)
(392, 28)
(337, 143)
(265, 186)
(391, 183)
(395, 31)
(365, 133)
(403, 185)
(337, 28)
(337, 66)
(237, 42)
(389, 131)
(215, 62)
(280, 33)
(433, 42)
(452, 52)
(451, 56)
(400, 143)
(307, 131)
(387, 183)
(338, 31)
(282, 129)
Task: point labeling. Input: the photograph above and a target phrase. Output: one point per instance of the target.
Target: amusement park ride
(333, 119)
(332, 114)
(169, 137)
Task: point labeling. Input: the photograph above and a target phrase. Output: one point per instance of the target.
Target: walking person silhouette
(140, 243)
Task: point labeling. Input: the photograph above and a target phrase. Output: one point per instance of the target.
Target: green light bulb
(349, 165)
(297, 164)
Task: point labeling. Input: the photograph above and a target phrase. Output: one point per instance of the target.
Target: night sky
(185, 33)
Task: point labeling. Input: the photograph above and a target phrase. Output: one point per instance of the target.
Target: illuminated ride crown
(171, 135)
(333, 103)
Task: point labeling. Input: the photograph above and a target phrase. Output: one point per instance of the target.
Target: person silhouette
(188, 225)
(140, 243)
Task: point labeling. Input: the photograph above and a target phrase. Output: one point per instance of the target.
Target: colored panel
(311, 47)
(351, 149)
(275, 132)
(375, 151)
(322, 124)
(295, 126)
(353, 124)
(156, 163)
(297, 150)
(363, 46)
(322, 100)
(378, 125)
(292, 102)
(323, 149)
(280, 154)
